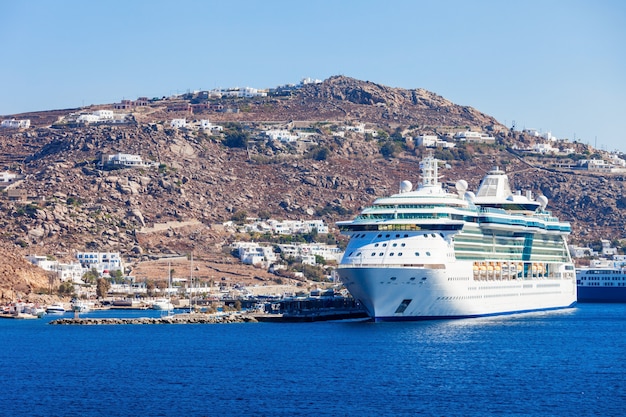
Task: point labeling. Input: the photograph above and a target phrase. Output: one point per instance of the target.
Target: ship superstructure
(602, 282)
(429, 253)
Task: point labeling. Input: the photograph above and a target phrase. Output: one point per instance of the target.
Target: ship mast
(429, 168)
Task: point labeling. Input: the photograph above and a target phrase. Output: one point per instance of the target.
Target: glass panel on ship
(495, 256)
(510, 255)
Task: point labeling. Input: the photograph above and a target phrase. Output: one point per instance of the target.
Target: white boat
(429, 253)
(162, 304)
(602, 282)
(165, 304)
(81, 306)
(56, 308)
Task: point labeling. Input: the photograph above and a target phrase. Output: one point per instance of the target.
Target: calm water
(554, 364)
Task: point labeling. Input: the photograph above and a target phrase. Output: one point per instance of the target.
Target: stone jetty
(194, 318)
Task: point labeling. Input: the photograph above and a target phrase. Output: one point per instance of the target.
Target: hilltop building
(124, 160)
(15, 124)
(432, 141)
(476, 137)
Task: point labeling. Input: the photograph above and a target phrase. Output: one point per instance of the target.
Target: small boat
(163, 304)
(81, 306)
(56, 308)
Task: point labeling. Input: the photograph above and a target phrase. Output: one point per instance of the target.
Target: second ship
(433, 254)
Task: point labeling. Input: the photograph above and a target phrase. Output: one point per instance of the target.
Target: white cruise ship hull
(405, 293)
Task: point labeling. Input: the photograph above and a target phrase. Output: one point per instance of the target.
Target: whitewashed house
(124, 160)
(478, 137)
(207, 125)
(178, 123)
(7, 178)
(104, 114)
(72, 272)
(16, 124)
(103, 262)
(88, 118)
(432, 141)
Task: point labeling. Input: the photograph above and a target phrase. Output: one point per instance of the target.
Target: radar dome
(461, 186)
(543, 200)
(406, 186)
(470, 196)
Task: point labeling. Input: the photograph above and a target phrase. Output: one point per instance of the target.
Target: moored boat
(56, 308)
(162, 304)
(602, 282)
(429, 253)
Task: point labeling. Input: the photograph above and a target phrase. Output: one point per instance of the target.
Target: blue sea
(564, 363)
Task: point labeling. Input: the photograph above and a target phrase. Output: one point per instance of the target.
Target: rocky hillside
(200, 183)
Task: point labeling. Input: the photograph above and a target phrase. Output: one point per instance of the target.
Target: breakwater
(194, 318)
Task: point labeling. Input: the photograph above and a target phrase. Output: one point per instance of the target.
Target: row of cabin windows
(380, 235)
(391, 254)
(394, 245)
(603, 278)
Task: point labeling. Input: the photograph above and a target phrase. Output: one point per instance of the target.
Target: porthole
(417, 254)
(397, 235)
(403, 245)
(399, 253)
(391, 254)
(427, 253)
(380, 254)
(379, 235)
(384, 245)
(386, 235)
(376, 245)
(373, 253)
(394, 245)
(393, 278)
(406, 235)
(412, 279)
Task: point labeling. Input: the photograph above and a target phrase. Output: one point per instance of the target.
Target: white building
(469, 136)
(104, 114)
(124, 160)
(103, 262)
(307, 252)
(72, 272)
(7, 178)
(16, 124)
(88, 118)
(531, 132)
(580, 252)
(239, 92)
(432, 141)
(178, 123)
(607, 249)
(544, 148)
(206, 125)
(289, 227)
(282, 135)
(254, 254)
(595, 165)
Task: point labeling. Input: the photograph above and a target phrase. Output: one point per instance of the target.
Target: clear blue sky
(552, 65)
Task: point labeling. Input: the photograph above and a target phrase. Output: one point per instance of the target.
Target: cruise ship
(433, 254)
(602, 282)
